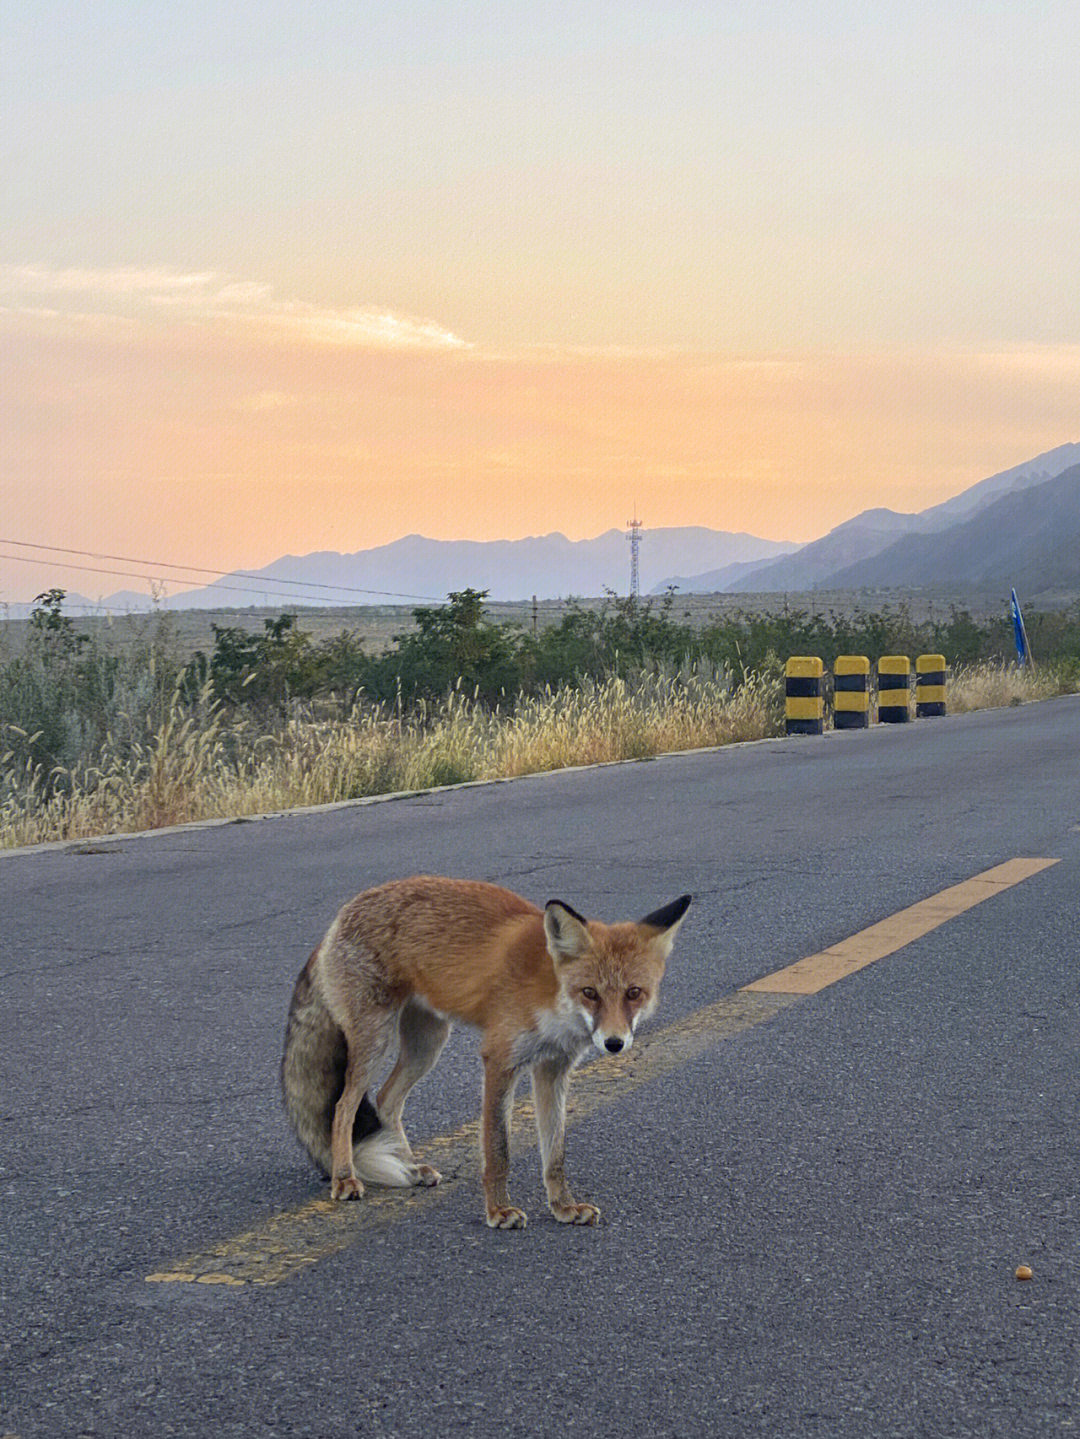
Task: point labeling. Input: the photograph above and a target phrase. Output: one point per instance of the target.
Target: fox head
(611, 973)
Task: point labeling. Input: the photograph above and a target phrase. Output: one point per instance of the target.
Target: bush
(66, 693)
(80, 714)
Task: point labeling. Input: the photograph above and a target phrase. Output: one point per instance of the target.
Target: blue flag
(1023, 651)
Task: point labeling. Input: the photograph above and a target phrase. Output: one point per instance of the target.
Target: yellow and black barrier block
(804, 705)
(929, 686)
(894, 689)
(851, 692)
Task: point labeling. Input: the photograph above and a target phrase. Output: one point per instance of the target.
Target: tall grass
(200, 761)
(992, 686)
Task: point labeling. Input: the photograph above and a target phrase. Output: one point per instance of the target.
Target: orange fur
(412, 955)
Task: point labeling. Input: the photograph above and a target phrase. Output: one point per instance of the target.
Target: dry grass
(987, 686)
(200, 764)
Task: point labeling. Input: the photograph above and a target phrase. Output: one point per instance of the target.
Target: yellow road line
(287, 1242)
(290, 1241)
(817, 971)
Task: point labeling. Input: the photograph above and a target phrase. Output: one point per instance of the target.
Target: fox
(406, 960)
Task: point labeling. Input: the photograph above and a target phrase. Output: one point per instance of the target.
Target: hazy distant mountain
(867, 533)
(712, 581)
(1029, 538)
(965, 504)
(851, 548)
(419, 569)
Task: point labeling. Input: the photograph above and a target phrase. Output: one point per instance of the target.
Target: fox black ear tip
(670, 914)
(569, 908)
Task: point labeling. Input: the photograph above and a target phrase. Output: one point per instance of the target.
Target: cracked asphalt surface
(810, 1229)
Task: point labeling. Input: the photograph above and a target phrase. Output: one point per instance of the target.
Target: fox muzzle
(611, 1043)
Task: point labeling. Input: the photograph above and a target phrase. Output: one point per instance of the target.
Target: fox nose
(613, 1045)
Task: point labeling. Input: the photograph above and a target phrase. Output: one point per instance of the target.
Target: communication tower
(633, 534)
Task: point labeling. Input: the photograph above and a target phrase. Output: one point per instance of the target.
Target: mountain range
(1018, 528)
(417, 569)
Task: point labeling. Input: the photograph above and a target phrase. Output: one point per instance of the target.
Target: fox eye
(634, 992)
(591, 995)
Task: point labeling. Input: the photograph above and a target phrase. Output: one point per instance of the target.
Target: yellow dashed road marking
(290, 1241)
(817, 971)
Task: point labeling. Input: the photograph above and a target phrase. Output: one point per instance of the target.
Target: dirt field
(378, 624)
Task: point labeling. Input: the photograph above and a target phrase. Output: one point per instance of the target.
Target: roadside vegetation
(99, 738)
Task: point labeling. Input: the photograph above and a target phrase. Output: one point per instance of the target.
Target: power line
(557, 608)
(199, 570)
(141, 575)
(262, 584)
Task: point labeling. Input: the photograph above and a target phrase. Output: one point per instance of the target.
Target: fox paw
(346, 1187)
(576, 1213)
(428, 1176)
(505, 1216)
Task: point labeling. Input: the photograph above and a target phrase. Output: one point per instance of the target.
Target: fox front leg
(550, 1080)
(499, 1083)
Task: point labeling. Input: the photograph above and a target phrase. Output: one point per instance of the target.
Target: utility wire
(141, 575)
(199, 570)
(271, 582)
(259, 583)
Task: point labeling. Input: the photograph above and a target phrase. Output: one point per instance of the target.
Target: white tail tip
(377, 1161)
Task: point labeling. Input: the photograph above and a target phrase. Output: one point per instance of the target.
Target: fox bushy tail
(312, 1079)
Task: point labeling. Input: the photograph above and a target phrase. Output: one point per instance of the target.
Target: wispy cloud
(207, 297)
(41, 280)
(364, 327)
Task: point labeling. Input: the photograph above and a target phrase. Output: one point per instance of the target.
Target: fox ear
(567, 935)
(667, 920)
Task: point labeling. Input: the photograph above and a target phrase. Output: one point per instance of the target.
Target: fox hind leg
(365, 1039)
(422, 1034)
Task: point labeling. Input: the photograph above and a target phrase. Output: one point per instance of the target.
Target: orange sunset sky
(284, 278)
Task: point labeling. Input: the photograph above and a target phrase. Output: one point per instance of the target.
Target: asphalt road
(810, 1227)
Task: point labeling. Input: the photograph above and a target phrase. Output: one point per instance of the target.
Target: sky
(287, 277)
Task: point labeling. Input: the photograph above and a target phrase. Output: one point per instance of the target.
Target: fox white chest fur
(562, 1033)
